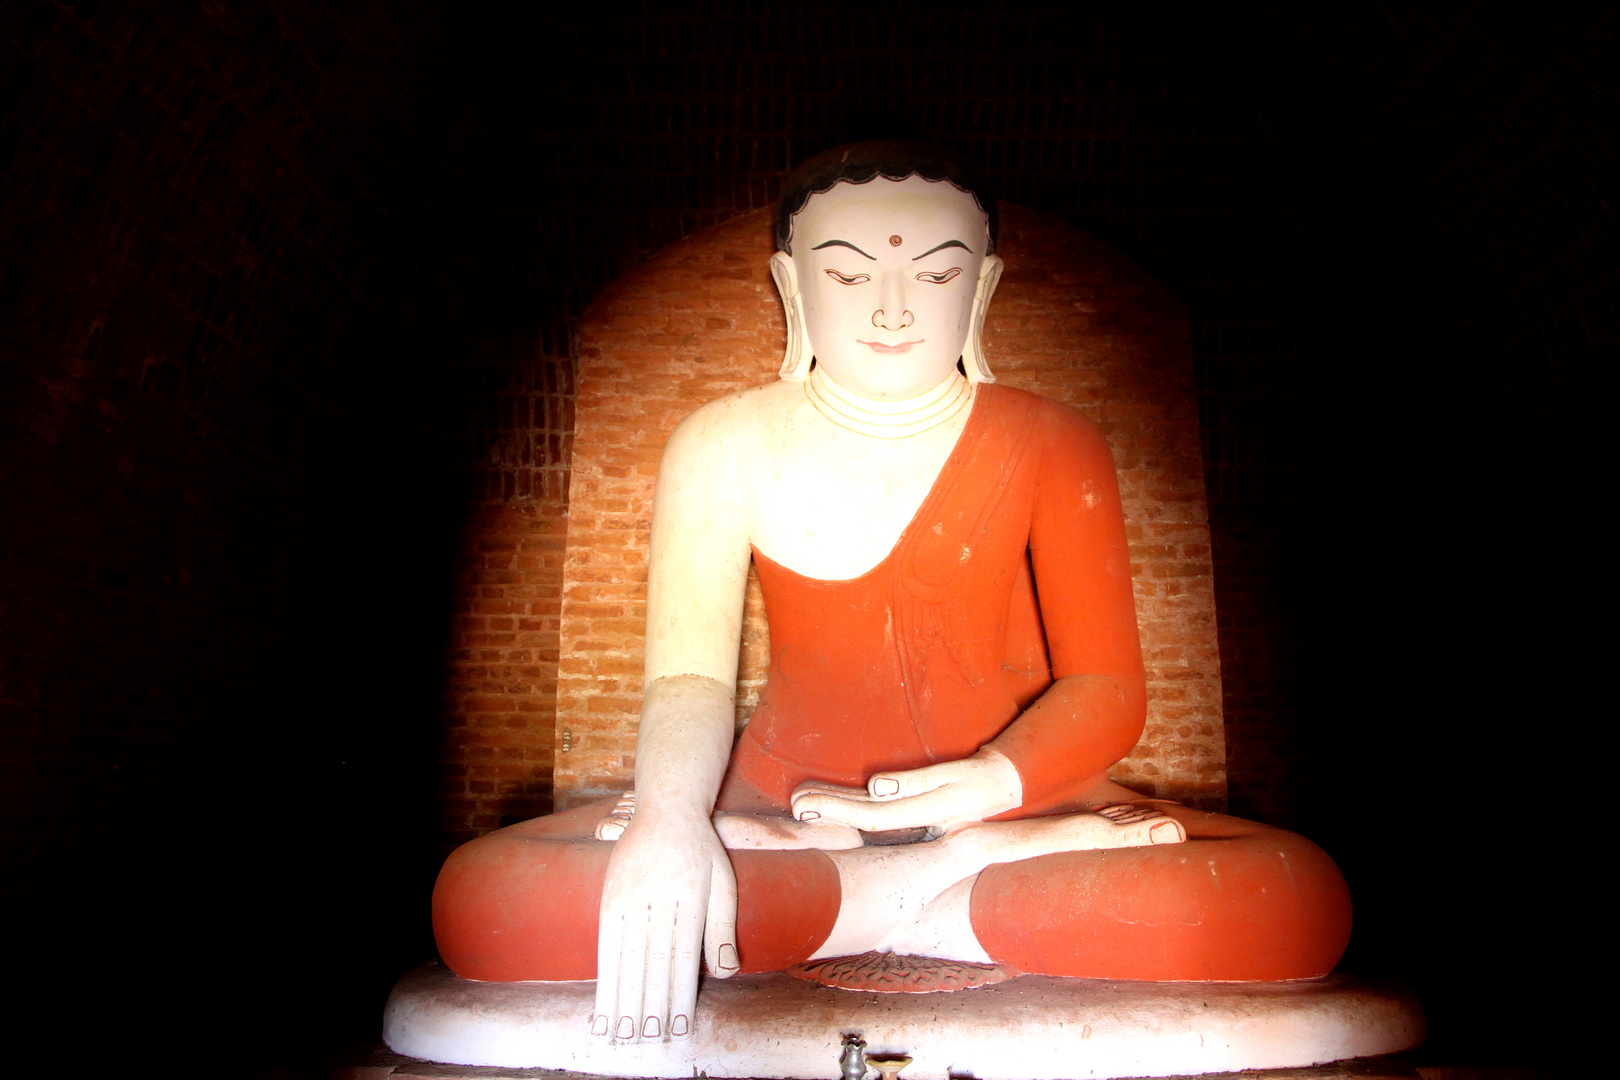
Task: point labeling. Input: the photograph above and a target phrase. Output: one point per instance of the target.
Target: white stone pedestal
(1030, 1028)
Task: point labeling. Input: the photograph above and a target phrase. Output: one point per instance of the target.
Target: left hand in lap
(950, 793)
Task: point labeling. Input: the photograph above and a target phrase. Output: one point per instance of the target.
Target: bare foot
(751, 831)
(762, 833)
(916, 897)
(1136, 825)
(617, 820)
(1119, 826)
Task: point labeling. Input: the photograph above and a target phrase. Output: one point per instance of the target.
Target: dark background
(270, 270)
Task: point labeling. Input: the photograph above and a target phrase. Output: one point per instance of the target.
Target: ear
(796, 360)
(973, 361)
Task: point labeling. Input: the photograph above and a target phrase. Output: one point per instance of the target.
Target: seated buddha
(954, 668)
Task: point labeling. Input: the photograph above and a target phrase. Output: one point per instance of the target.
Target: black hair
(856, 163)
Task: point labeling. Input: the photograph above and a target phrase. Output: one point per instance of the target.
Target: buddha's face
(887, 271)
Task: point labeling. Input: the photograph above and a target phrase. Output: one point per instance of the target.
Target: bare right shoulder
(697, 573)
(740, 425)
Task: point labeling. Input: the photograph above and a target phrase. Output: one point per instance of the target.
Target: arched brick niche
(1073, 320)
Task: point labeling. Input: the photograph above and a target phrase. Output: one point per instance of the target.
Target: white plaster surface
(1030, 1028)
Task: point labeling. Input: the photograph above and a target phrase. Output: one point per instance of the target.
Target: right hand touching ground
(670, 892)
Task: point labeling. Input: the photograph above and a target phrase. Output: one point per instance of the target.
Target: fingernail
(884, 785)
(808, 815)
(677, 1026)
(599, 1026)
(649, 1030)
(627, 1028)
(728, 957)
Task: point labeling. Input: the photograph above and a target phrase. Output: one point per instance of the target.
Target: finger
(607, 974)
(663, 935)
(626, 1014)
(813, 787)
(827, 809)
(817, 794)
(903, 785)
(683, 974)
(938, 807)
(720, 922)
(827, 788)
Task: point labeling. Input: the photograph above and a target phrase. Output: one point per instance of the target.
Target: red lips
(889, 350)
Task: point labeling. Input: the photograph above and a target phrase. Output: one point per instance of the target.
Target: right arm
(669, 885)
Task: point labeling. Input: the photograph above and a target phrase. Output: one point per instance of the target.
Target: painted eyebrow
(942, 247)
(843, 243)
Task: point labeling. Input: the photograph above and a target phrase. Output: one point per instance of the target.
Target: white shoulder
(697, 572)
(729, 426)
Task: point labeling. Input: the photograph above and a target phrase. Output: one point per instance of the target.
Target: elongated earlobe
(973, 359)
(796, 360)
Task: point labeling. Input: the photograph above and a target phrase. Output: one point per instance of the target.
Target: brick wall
(501, 686)
(1072, 320)
(697, 322)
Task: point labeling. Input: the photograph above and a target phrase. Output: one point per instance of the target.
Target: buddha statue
(954, 668)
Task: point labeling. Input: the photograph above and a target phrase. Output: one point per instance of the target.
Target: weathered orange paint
(1015, 572)
(521, 903)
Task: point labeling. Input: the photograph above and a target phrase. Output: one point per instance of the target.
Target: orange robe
(1014, 572)
(939, 649)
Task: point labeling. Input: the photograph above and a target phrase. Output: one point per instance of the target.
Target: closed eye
(849, 279)
(942, 277)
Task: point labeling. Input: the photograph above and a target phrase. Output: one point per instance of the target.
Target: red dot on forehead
(895, 241)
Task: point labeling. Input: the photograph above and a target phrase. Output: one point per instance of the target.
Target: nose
(893, 315)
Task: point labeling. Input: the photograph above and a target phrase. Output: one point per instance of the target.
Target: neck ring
(888, 419)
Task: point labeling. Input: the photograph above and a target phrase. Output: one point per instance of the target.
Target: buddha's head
(886, 262)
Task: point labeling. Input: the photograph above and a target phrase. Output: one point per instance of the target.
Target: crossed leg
(1237, 901)
(521, 903)
(914, 897)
